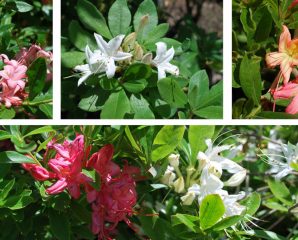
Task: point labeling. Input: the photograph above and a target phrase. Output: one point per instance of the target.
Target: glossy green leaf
(140, 107)
(252, 203)
(72, 59)
(6, 113)
(22, 6)
(166, 140)
(119, 18)
(146, 8)
(45, 129)
(250, 78)
(47, 109)
(280, 191)
(14, 157)
(92, 19)
(211, 210)
(59, 225)
(116, 106)
(171, 92)
(37, 74)
(19, 201)
(187, 220)
(211, 112)
(227, 222)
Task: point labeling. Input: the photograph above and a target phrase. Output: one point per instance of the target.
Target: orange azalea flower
(287, 55)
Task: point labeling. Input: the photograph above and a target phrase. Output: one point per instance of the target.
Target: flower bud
(188, 198)
(138, 52)
(152, 171)
(143, 22)
(129, 41)
(174, 160)
(169, 177)
(179, 185)
(147, 59)
(236, 179)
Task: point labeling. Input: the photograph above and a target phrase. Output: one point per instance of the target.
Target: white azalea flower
(231, 205)
(94, 65)
(102, 59)
(162, 60)
(109, 53)
(283, 168)
(212, 160)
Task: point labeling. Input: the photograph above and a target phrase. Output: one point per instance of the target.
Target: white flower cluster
(206, 179)
(103, 59)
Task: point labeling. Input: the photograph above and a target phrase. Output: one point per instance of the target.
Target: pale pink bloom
(27, 56)
(290, 90)
(67, 165)
(38, 172)
(14, 75)
(287, 55)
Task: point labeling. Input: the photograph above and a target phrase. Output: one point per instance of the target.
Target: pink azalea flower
(27, 56)
(67, 165)
(287, 55)
(117, 196)
(290, 90)
(38, 172)
(294, 4)
(13, 75)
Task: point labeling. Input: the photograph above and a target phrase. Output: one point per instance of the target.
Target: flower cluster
(102, 60)
(205, 178)
(287, 59)
(116, 197)
(13, 76)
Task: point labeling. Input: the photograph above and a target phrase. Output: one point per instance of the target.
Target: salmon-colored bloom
(287, 55)
(288, 91)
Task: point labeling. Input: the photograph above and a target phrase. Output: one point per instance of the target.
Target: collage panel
(148, 182)
(265, 59)
(26, 59)
(144, 59)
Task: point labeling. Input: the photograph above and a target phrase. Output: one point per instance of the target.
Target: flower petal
(274, 59)
(120, 56)
(114, 45)
(284, 40)
(101, 43)
(293, 106)
(110, 68)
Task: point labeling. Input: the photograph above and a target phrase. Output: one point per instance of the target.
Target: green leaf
(250, 79)
(264, 235)
(214, 97)
(23, 6)
(92, 18)
(198, 87)
(4, 135)
(140, 107)
(72, 59)
(226, 223)
(135, 86)
(6, 113)
(276, 115)
(14, 157)
(146, 8)
(116, 106)
(45, 129)
(119, 18)
(79, 37)
(252, 203)
(197, 135)
(137, 71)
(171, 92)
(211, 210)
(157, 33)
(166, 140)
(211, 112)
(47, 109)
(93, 100)
(6, 189)
(59, 225)
(280, 191)
(37, 74)
(18, 202)
(187, 220)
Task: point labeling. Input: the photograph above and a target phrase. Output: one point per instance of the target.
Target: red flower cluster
(115, 199)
